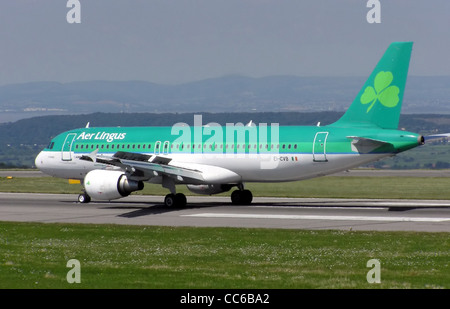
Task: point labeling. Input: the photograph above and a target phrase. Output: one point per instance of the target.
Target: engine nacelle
(209, 189)
(109, 185)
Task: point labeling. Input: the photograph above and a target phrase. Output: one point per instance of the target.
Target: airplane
(113, 162)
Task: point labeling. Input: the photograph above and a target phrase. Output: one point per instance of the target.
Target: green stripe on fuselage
(283, 139)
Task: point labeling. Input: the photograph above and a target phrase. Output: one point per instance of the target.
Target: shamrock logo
(387, 95)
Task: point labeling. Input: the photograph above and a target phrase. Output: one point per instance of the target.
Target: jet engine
(209, 189)
(109, 185)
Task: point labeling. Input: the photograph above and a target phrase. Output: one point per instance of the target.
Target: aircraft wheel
(243, 197)
(236, 197)
(84, 198)
(175, 200)
(180, 200)
(169, 200)
(248, 197)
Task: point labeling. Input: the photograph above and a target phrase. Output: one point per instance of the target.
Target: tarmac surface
(353, 172)
(213, 211)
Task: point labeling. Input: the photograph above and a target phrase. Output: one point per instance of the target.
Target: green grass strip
(323, 187)
(34, 255)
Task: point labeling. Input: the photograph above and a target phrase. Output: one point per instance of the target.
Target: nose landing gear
(84, 198)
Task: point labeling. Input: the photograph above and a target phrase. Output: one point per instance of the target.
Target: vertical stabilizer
(379, 102)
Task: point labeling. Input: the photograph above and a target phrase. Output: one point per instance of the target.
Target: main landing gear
(241, 197)
(177, 200)
(238, 197)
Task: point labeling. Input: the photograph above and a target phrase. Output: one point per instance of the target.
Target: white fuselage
(250, 167)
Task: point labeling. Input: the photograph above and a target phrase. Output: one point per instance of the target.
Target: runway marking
(317, 217)
(412, 204)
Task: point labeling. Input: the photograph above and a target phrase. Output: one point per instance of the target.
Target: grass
(34, 255)
(324, 187)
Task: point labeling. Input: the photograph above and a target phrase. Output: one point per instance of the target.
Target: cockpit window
(50, 145)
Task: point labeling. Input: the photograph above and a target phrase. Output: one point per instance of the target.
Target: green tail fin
(380, 100)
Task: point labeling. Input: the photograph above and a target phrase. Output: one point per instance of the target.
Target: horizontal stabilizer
(364, 144)
(436, 136)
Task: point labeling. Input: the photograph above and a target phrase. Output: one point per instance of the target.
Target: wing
(143, 167)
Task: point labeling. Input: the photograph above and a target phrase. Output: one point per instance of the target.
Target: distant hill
(225, 94)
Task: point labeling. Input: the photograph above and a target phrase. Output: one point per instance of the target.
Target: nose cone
(39, 161)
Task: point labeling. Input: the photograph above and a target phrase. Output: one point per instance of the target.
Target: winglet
(92, 157)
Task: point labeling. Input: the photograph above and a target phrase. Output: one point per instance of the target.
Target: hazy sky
(174, 41)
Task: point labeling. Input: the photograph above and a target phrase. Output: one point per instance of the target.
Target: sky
(178, 41)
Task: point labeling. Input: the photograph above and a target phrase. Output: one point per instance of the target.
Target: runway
(353, 172)
(284, 213)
